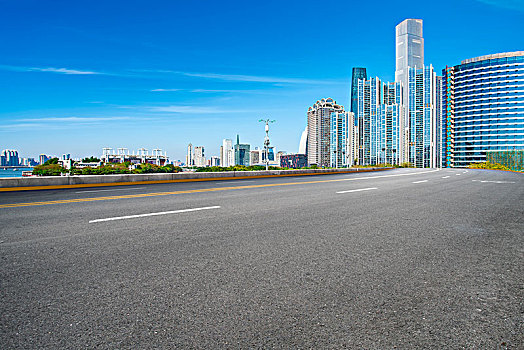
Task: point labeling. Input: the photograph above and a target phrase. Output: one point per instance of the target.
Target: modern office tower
(241, 153)
(379, 112)
(190, 156)
(484, 107)
(356, 74)
(341, 141)
(302, 147)
(440, 124)
(409, 52)
(10, 158)
(422, 121)
(221, 155)
(228, 154)
(318, 136)
(199, 158)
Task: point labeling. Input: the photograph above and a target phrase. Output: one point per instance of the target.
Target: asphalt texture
(415, 259)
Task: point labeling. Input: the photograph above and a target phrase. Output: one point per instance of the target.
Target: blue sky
(77, 76)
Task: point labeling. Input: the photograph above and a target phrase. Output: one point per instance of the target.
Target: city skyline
(59, 98)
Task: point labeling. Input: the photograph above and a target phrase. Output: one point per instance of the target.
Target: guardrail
(40, 182)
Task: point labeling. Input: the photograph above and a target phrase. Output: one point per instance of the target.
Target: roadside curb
(82, 181)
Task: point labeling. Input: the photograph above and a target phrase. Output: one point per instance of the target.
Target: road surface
(407, 258)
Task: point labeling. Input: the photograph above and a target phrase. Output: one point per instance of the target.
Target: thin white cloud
(509, 4)
(193, 110)
(21, 126)
(73, 119)
(63, 71)
(244, 78)
(49, 70)
(165, 90)
(254, 78)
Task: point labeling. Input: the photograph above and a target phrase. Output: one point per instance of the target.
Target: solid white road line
(114, 189)
(445, 177)
(458, 174)
(360, 189)
(153, 214)
(417, 182)
(495, 182)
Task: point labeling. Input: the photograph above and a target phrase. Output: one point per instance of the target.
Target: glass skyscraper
(357, 73)
(483, 107)
(242, 152)
(409, 53)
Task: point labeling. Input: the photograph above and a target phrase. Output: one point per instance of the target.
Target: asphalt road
(408, 258)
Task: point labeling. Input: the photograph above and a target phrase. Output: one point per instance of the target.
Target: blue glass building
(356, 74)
(483, 107)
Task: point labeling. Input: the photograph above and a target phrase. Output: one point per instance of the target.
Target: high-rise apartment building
(379, 112)
(9, 157)
(341, 142)
(483, 107)
(440, 125)
(241, 153)
(422, 122)
(409, 53)
(357, 74)
(228, 154)
(319, 129)
(190, 156)
(199, 158)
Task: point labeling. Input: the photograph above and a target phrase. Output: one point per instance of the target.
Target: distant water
(10, 173)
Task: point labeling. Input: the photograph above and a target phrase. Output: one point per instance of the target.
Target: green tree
(51, 161)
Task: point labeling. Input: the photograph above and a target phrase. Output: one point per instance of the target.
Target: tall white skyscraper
(199, 157)
(189, 155)
(228, 154)
(409, 52)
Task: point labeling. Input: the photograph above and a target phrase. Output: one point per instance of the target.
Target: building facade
(422, 121)
(199, 158)
(341, 140)
(242, 154)
(190, 155)
(409, 53)
(293, 161)
(379, 113)
(357, 73)
(319, 130)
(483, 107)
(228, 155)
(9, 157)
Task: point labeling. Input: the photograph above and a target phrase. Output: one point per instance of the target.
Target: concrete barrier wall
(189, 176)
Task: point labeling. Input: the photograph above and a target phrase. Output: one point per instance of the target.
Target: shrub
(488, 165)
(48, 170)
